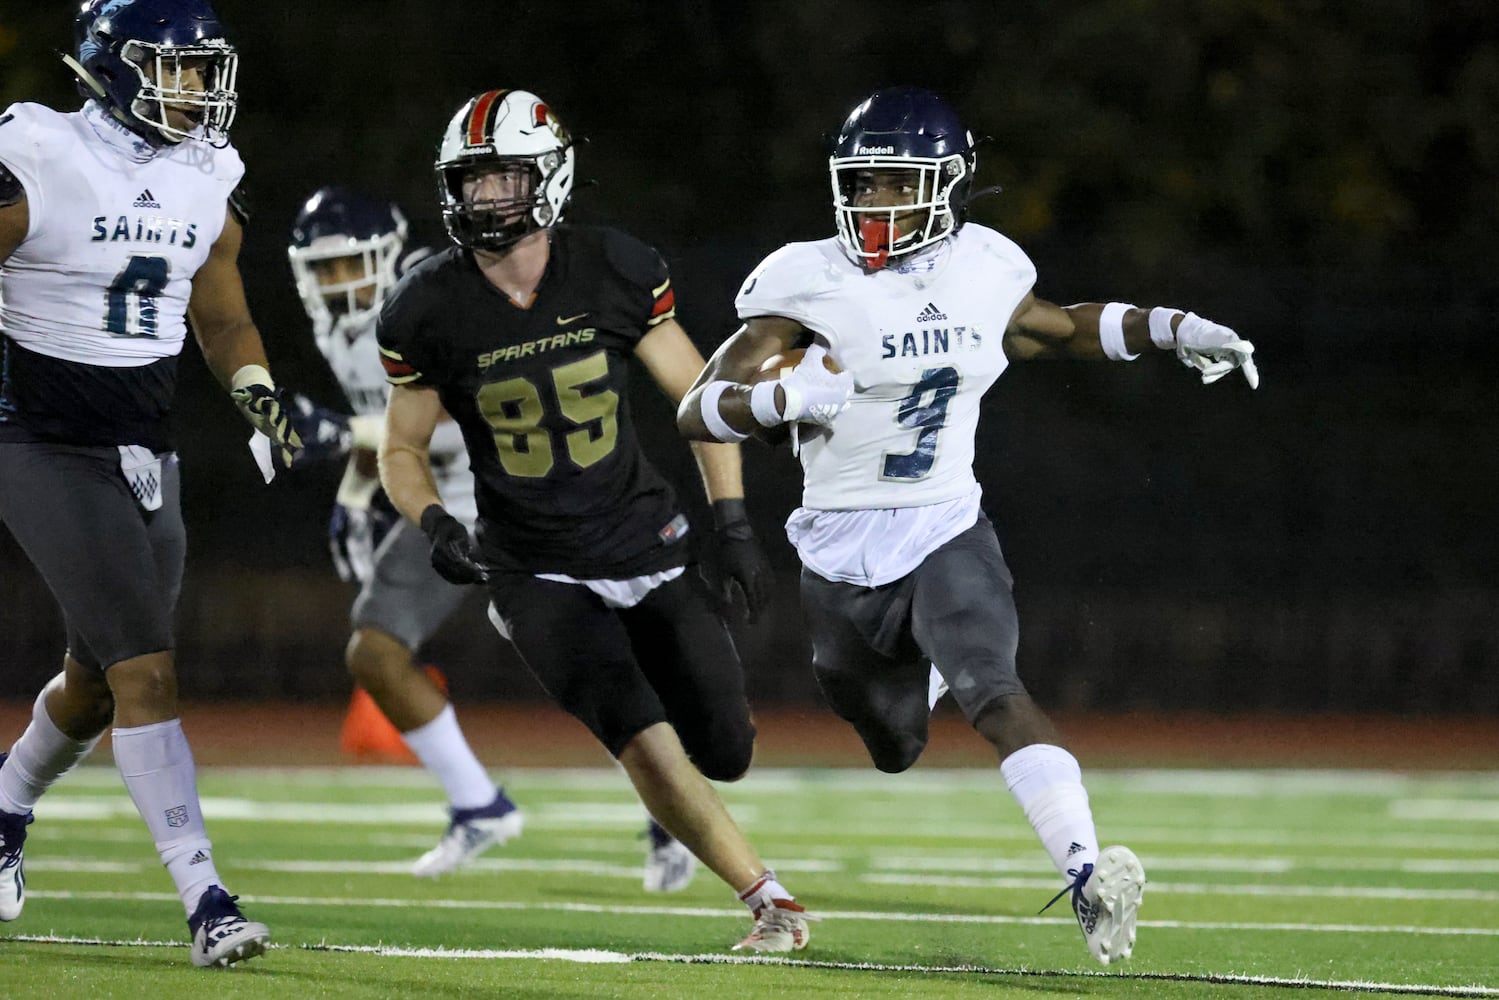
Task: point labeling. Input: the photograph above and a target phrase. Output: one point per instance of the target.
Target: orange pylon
(369, 735)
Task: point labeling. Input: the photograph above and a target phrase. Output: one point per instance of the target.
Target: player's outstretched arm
(1118, 331)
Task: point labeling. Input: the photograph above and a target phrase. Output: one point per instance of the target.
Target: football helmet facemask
(901, 129)
(136, 57)
(338, 223)
(504, 130)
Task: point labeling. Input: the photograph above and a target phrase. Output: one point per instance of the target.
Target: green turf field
(929, 885)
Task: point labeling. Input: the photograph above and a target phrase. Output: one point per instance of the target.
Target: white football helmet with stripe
(504, 130)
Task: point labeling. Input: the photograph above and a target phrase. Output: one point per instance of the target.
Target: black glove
(742, 565)
(325, 433)
(266, 410)
(453, 554)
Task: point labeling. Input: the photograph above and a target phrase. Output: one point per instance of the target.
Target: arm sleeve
(646, 280)
(779, 286)
(21, 157)
(396, 335)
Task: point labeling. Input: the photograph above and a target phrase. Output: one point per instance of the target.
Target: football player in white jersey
(117, 223)
(902, 571)
(344, 251)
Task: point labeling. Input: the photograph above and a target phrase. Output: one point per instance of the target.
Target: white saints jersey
(923, 341)
(354, 358)
(117, 232)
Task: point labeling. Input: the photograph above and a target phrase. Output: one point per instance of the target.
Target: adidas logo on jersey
(146, 200)
(930, 314)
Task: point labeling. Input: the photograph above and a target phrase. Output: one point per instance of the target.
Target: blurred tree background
(1319, 175)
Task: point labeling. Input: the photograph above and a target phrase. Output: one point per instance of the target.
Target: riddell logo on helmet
(876, 150)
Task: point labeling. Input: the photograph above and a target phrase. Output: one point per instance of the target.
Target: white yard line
(737, 913)
(591, 956)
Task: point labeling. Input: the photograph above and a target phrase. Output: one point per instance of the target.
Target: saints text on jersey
(147, 229)
(943, 340)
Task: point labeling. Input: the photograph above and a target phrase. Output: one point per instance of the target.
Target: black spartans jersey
(541, 396)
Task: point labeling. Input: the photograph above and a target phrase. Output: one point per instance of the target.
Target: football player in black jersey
(523, 331)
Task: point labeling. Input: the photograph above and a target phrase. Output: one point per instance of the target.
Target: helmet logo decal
(478, 119)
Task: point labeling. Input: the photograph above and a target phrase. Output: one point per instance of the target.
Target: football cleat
(669, 865)
(12, 868)
(470, 833)
(221, 934)
(1106, 899)
(779, 926)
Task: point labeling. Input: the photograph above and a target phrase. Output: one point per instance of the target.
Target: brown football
(779, 365)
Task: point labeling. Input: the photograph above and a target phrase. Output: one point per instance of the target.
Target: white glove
(1214, 350)
(814, 394)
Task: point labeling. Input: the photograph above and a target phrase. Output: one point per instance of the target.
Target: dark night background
(1319, 175)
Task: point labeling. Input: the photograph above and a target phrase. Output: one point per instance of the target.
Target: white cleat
(221, 934)
(779, 926)
(1108, 903)
(470, 834)
(12, 865)
(669, 865)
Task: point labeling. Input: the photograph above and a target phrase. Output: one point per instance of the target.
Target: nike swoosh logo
(564, 320)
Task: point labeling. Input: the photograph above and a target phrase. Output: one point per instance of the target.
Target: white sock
(762, 891)
(1048, 784)
(157, 765)
(43, 754)
(441, 748)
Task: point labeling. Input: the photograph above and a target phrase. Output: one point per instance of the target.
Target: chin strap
(85, 77)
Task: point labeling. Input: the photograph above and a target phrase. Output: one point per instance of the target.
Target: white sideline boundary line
(739, 914)
(596, 957)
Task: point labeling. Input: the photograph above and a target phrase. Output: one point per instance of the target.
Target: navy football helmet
(906, 129)
(504, 130)
(334, 223)
(138, 56)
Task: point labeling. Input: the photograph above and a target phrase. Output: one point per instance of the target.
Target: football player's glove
(354, 533)
(453, 553)
(264, 406)
(813, 393)
(1214, 350)
(741, 564)
(325, 433)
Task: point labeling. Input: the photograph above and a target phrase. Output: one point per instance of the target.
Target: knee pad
(726, 757)
(893, 753)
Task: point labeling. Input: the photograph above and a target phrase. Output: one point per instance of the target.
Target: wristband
(252, 375)
(368, 430)
(1161, 334)
(763, 404)
(729, 510)
(712, 419)
(1111, 332)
